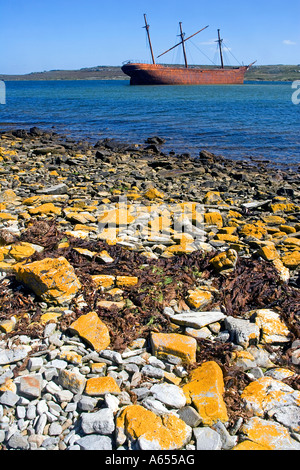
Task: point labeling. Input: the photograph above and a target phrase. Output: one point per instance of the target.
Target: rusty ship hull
(155, 74)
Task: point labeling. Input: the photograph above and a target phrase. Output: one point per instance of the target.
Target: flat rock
(31, 385)
(99, 386)
(195, 319)
(94, 442)
(72, 380)
(61, 188)
(270, 397)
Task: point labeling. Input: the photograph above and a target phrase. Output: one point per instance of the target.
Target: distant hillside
(262, 73)
(92, 73)
(274, 73)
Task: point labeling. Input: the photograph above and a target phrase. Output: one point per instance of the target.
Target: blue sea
(254, 120)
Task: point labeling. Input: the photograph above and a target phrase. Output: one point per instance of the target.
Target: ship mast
(183, 45)
(149, 40)
(182, 42)
(220, 47)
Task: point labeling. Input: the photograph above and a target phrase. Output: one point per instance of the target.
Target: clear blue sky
(38, 35)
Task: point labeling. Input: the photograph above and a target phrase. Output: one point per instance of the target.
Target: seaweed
(251, 285)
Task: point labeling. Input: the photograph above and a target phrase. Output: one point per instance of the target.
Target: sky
(38, 35)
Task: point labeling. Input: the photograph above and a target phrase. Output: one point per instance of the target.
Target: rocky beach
(148, 301)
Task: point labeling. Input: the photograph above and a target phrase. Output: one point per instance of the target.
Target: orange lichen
(153, 193)
(103, 280)
(205, 390)
(52, 279)
(291, 260)
(98, 386)
(269, 253)
(165, 433)
(198, 298)
(253, 230)
(21, 250)
(92, 330)
(250, 445)
(127, 281)
(47, 208)
(267, 433)
(175, 344)
(213, 218)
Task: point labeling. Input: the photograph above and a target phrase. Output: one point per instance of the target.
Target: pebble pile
(198, 375)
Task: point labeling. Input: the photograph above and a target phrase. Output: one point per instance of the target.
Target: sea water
(255, 120)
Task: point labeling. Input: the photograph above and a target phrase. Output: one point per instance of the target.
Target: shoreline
(158, 148)
(248, 81)
(262, 73)
(132, 283)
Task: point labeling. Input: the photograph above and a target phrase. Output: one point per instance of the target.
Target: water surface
(255, 120)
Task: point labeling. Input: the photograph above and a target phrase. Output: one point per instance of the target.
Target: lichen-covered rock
(198, 298)
(151, 431)
(205, 391)
(225, 261)
(174, 344)
(269, 252)
(72, 380)
(291, 260)
(92, 330)
(250, 445)
(269, 434)
(153, 193)
(52, 279)
(272, 327)
(21, 250)
(213, 218)
(127, 281)
(270, 397)
(47, 208)
(103, 280)
(257, 230)
(99, 386)
(282, 271)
